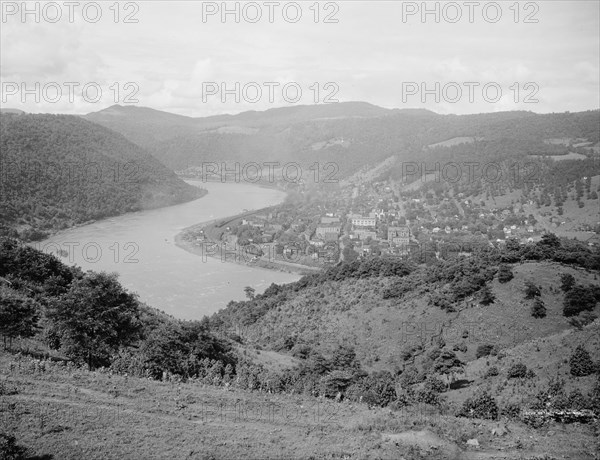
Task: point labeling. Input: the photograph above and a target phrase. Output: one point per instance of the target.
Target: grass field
(69, 413)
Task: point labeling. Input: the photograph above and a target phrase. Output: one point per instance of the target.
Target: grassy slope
(72, 414)
(353, 312)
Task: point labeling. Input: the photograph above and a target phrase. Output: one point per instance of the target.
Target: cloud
(368, 53)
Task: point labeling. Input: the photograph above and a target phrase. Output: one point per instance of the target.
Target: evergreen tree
(538, 310)
(567, 281)
(505, 273)
(487, 296)
(581, 363)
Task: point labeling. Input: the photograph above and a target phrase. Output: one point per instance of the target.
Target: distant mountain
(352, 134)
(60, 170)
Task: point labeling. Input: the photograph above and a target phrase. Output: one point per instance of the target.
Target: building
(329, 220)
(364, 221)
(364, 234)
(400, 236)
(328, 232)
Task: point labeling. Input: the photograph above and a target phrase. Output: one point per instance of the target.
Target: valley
(396, 313)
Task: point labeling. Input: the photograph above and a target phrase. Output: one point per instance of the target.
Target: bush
(577, 401)
(581, 363)
(435, 384)
(492, 372)
(462, 347)
(505, 273)
(567, 281)
(538, 310)
(531, 290)
(301, 351)
(428, 396)
(578, 299)
(511, 410)
(484, 350)
(480, 406)
(9, 450)
(7, 389)
(487, 296)
(583, 319)
(518, 370)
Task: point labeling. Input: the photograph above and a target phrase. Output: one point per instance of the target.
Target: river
(139, 246)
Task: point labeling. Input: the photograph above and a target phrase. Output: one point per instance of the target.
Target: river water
(140, 247)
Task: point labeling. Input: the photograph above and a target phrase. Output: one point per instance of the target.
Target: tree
(538, 310)
(448, 364)
(505, 273)
(579, 298)
(550, 240)
(581, 363)
(250, 292)
(481, 405)
(94, 318)
(18, 315)
(567, 281)
(531, 290)
(344, 358)
(487, 296)
(517, 370)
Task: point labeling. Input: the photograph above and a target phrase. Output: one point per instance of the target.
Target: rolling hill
(352, 134)
(57, 171)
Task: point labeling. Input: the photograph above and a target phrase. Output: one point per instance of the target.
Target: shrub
(505, 273)
(9, 450)
(301, 351)
(578, 299)
(567, 281)
(435, 384)
(531, 290)
(492, 372)
(410, 376)
(487, 296)
(334, 382)
(7, 389)
(480, 406)
(581, 363)
(484, 350)
(583, 319)
(538, 310)
(518, 370)
(511, 410)
(428, 396)
(577, 401)
(462, 347)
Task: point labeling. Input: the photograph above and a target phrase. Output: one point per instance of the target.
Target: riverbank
(52, 233)
(213, 230)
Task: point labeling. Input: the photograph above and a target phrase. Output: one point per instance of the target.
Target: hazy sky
(379, 52)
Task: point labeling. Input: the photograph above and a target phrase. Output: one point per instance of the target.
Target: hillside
(57, 171)
(351, 134)
(89, 371)
(68, 413)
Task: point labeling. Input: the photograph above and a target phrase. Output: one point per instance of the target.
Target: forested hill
(352, 135)
(58, 170)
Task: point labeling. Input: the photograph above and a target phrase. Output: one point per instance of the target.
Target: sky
(186, 57)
